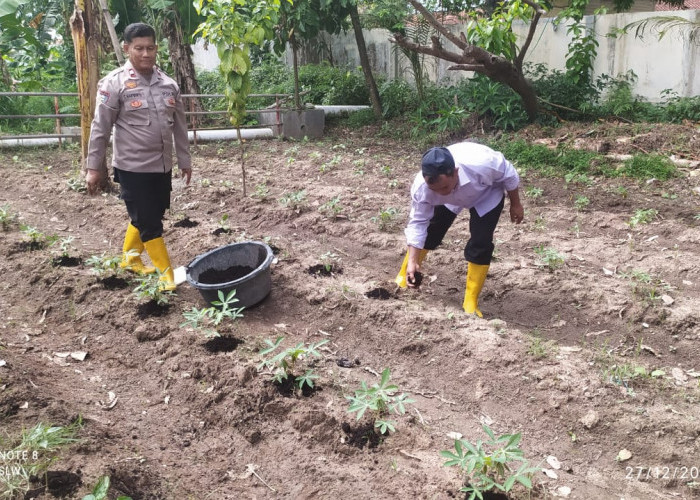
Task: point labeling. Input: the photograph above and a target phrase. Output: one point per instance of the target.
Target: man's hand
(186, 174)
(517, 213)
(94, 180)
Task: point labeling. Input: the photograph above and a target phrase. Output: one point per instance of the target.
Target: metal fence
(278, 108)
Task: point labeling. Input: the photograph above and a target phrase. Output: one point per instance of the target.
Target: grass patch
(573, 163)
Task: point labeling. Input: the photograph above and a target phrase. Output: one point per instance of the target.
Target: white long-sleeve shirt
(484, 177)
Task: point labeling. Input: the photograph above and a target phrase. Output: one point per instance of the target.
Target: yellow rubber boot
(131, 257)
(476, 275)
(401, 277)
(159, 255)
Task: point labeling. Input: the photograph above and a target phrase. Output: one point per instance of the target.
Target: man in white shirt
(464, 175)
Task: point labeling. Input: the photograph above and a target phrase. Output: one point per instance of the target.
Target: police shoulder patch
(104, 96)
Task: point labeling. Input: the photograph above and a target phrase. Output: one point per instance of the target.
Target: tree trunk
(364, 61)
(295, 66)
(86, 40)
(181, 59)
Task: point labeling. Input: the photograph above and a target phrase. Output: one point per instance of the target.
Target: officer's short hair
(138, 30)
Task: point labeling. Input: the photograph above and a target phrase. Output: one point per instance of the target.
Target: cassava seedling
(285, 362)
(488, 465)
(150, 288)
(204, 319)
(102, 265)
(381, 400)
(101, 489)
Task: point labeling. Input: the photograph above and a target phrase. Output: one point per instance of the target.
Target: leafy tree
(233, 27)
(488, 47)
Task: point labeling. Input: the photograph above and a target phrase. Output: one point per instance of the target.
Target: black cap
(437, 161)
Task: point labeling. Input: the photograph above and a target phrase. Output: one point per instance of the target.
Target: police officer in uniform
(464, 175)
(144, 107)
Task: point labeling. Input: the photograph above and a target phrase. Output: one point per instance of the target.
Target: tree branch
(437, 25)
(530, 35)
(479, 68)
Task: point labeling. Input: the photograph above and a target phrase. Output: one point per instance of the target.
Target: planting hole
(151, 309)
(186, 222)
(323, 270)
(379, 293)
(222, 344)
(114, 283)
(64, 261)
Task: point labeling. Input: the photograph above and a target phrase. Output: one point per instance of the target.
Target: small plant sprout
(31, 455)
(64, 245)
(381, 400)
(328, 259)
(358, 167)
(220, 310)
(488, 465)
(386, 218)
(261, 192)
(549, 258)
(295, 200)
(642, 216)
(7, 218)
(37, 239)
(103, 264)
(150, 287)
(533, 192)
(581, 202)
(223, 223)
(332, 207)
(385, 170)
(285, 363)
(101, 489)
(331, 164)
(393, 184)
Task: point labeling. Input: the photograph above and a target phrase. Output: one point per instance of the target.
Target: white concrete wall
(671, 63)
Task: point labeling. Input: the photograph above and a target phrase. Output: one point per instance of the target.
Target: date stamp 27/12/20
(646, 473)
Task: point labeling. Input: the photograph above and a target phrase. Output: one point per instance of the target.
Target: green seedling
(150, 287)
(77, 183)
(488, 465)
(261, 192)
(642, 216)
(65, 245)
(581, 202)
(328, 259)
(99, 492)
(37, 239)
(539, 348)
(31, 456)
(332, 207)
(284, 363)
(295, 200)
(549, 258)
(385, 170)
(393, 183)
(331, 164)
(358, 167)
(223, 223)
(204, 182)
(102, 264)
(533, 192)
(220, 310)
(7, 218)
(386, 218)
(381, 400)
(622, 191)
(575, 178)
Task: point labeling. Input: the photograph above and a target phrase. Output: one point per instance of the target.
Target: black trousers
(479, 248)
(147, 197)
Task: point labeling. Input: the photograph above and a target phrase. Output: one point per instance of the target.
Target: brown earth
(554, 357)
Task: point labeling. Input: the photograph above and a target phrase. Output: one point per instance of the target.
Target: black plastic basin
(250, 288)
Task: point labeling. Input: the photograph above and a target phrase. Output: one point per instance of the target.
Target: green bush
(557, 91)
(361, 118)
(398, 97)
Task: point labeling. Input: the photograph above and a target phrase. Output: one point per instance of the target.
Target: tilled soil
(558, 356)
